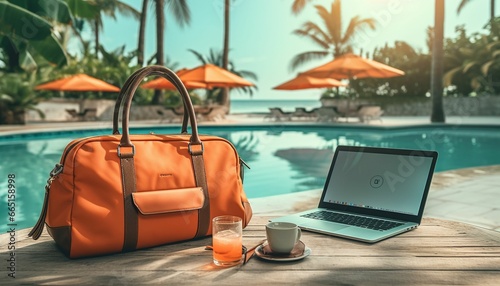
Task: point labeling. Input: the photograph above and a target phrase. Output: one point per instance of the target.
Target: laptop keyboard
(354, 220)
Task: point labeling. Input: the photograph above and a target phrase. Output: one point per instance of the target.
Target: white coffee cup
(282, 236)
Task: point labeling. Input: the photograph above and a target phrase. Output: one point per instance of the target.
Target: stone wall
(55, 110)
(453, 106)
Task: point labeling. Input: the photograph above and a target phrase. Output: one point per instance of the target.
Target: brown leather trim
(62, 237)
(128, 94)
(37, 230)
(248, 213)
(201, 181)
(131, 227)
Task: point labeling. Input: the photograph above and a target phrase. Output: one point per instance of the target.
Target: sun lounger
(86, 115)
(367, 113)
(277, 114)
(302, 113)
(168, 114)
(214, 113)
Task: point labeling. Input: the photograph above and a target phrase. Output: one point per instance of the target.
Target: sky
(261, 38)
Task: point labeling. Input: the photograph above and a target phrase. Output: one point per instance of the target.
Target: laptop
(370, 194)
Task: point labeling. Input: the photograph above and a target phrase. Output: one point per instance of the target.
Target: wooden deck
(438, 252)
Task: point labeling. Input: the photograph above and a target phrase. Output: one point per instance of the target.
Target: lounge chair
(168, 114)
(86, 115)
(326, 114)
(277, 114)
(301, 113)
(367, 113)
(214, 113)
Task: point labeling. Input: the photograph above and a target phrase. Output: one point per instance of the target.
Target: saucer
(300, 251)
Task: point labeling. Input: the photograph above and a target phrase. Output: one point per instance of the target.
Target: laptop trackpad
(323, 225)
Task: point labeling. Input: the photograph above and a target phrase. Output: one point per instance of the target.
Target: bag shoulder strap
(37, 230)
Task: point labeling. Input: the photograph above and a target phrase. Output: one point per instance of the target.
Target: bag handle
(195, 149)
(127, 93)
(119, 103)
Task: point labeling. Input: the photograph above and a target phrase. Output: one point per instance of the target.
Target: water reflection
(283, 159)
(31, 163)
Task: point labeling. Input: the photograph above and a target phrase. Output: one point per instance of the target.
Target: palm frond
(332, 30)
(469, 66)
(462, 5)
(181, 11)
(246, 74)
(355, 25)
(127, 10)
(199, 56)
(486, 67)
(312, 37)
(305, 57)
(298, 6)
(448, 76)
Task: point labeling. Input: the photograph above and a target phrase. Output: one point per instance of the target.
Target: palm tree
(142, 29)
(437, 114)
(332, 40)
(492, 11)
(109, 8)
(182, 15)
(225, 51)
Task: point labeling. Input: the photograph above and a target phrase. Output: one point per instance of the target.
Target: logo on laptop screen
(376, 181)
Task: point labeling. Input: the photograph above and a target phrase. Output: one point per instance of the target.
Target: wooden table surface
(438, 252)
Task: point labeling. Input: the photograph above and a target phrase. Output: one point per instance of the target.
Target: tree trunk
(225, 53)
(160, 28)
(492, 17)
(96, 34)
(142, 27)
(437, 64)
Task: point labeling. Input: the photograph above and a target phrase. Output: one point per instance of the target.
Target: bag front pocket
(168, 201)
(168, 215)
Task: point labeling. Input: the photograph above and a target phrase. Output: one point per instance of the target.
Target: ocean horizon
(262, 105)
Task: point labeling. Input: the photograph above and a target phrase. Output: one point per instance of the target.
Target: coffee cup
(282, 236)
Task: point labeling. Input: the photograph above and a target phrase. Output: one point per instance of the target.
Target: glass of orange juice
(227, 240)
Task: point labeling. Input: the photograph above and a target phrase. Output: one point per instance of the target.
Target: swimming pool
(283, 158)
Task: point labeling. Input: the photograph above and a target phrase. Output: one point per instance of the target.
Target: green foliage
(17, 96)
(415, 82)
(114, 68)
(472, 63)
(24, 33)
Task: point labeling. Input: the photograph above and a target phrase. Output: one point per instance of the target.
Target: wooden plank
(235, 276)
(438, 252)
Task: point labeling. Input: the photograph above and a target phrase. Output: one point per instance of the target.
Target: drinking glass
(227, 240)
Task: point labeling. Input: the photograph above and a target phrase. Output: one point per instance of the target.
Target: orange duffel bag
(123, 192)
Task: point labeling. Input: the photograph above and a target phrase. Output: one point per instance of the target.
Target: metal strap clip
(56, 171)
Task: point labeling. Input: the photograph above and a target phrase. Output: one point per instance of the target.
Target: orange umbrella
(78, 82)
(352, 66)
(303, 81)
(214, 76)
(163, 83)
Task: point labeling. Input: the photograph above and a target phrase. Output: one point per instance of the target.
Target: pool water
(283, 159)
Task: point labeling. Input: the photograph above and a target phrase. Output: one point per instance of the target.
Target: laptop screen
(379, 181)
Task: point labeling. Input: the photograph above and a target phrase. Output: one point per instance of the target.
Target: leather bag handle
(119, 104)
(127, 93)
(127, 165)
